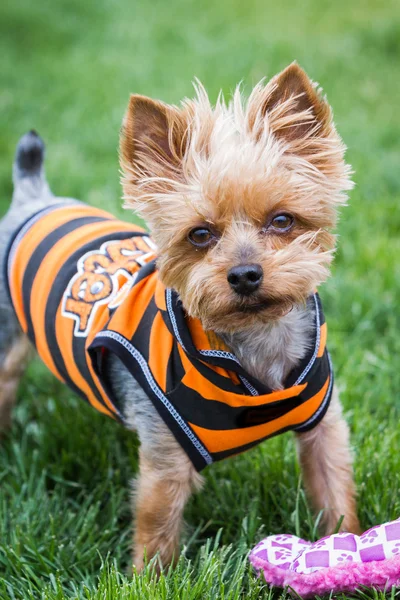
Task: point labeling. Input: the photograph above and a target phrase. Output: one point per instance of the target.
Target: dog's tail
(28, 169)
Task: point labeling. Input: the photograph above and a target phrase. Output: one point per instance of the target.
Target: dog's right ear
(153, 139)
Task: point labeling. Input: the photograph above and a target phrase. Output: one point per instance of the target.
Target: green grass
(67, 68)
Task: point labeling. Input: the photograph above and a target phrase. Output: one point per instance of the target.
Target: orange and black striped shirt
(83, 283)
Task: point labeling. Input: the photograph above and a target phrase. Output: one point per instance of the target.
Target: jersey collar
(180, 325)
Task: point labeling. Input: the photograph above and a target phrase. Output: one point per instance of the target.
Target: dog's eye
(201, 237)
(282, 222)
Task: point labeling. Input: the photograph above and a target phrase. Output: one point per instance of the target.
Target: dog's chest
(269, 353)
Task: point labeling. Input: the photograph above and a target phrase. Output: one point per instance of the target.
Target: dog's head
(240, 198)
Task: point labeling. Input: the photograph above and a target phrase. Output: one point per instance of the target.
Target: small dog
(219, 342)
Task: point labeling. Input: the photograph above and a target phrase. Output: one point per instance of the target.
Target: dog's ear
(152, 139)
(294, 106)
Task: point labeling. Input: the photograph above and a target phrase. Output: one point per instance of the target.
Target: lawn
(67, 68)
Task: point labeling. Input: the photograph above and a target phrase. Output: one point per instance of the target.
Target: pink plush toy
(337, 563)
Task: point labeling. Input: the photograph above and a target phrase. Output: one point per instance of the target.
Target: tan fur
(162, 491)
(232, 167)
(10, 373)
(327, 469)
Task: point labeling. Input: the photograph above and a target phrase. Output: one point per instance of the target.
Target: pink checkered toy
(338, 563)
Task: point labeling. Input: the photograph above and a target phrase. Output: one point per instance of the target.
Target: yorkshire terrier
(207, 337)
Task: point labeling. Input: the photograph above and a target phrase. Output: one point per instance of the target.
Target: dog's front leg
(324, 454)
(164, 485)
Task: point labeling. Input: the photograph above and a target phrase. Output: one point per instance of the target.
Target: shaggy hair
(232, 167)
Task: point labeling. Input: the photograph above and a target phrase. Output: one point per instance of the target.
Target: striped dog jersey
(84, 284)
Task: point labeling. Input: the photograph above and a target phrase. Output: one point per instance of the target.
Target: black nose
(245, 279)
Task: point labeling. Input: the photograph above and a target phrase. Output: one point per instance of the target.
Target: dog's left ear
(295, 107)
(153, 138)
